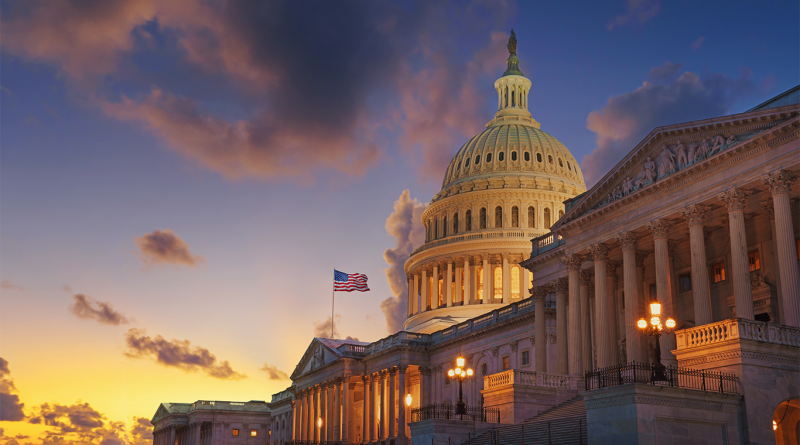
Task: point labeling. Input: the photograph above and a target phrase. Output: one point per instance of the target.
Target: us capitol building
(545, 289)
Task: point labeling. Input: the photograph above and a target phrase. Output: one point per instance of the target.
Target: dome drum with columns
(505, 186)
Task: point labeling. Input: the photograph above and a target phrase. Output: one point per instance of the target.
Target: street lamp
(655, 328)
(461, 374)
(408, 400)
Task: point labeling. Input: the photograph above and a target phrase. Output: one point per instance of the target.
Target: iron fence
(663, 376)
(566, 431)
(448, 412)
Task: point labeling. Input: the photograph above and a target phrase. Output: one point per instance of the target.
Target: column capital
(323, 385)
(402, 369)
(586, 277)
(735, 198)
(627, 240)
(540, 292)
(366, 378)
(466, 258)
(695, 214)
(573, 261)
(504, 256)
(513, 345)
(598, 252)
(425, 370)
(392, 371)
(485, 256)
(659, 227)
(779, 181)
(448, 260)
(769, 207)
(559, 284)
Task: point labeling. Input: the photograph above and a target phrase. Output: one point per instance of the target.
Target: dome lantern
(512, 92)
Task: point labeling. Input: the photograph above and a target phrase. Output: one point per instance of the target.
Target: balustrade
(526, 378)
(737, 328)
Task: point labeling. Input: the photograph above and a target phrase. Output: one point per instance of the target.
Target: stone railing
(283, 395)
(737, 329)
(230, 406)
(354, 350)
(526, 378)
(545, 243)
(469, 236)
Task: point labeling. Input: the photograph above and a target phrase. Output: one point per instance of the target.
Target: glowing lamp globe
(469, 372)
(319, 422)
(451, 373)
(655, 321)
(460, 362)
(670, 323)
(458, 371)
(408, 400)
(655, 309)
(642, 323)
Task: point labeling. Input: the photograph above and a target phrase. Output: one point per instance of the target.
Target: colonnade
(471, 280)
(320, 412)
(280, 428)
(195, 433)
(574, 344)
(383, 413)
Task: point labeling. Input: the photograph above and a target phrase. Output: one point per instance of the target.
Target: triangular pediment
(672, 150)
(161, 412)
(316, 356)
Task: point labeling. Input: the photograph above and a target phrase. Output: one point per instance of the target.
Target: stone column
(613, 310)
(574, 337)
(506, 280)
(336, 433)
(660, 230)
(416, 306)
(171, 436)
(633, 338)
(701, 294)
(641, 304)
(599, 253)
(523, 282)
(365, 424)
(346, 408)
(323, 412)
(586, 277)
(735, 199)
(466, 297)
(331, 423)
(539, 294)
(295, 417)
(392, 401)
(382, 405)
(780, 183)
(317, 394)
(448, 279)
(435, 286)
(303, 433)
(401, 412)
(458, 295)
(410, 297)
(425, 386)
(424, 292)
(769, 209)
(487, 283)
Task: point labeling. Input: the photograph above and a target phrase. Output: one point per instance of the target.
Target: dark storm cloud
(88, 308)
(405, 225)
(178, 354)
(164, 247)
(273, 373)
(302, 73)
(663, 100)
(10, 406)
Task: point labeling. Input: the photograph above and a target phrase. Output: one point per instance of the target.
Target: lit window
(515, 282)
(480, 283)
(506, 364)
(430, 291)
(235, 432)
(253, 433)
(753, 259)
(546, 218)
(453, 294)
(439, 299)
(685, 282)
(498, 282)
(560, 214)
(718, 270)
(531, 218)
(526, 358)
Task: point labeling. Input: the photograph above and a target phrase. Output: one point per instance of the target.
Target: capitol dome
(503, 187)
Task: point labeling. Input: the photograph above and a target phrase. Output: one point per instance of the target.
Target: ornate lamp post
(655, 328)
(461, 374)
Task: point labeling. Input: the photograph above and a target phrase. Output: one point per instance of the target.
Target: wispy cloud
(638, 11)
(10, 285)
(178, 354)
(164, 247)
(273, 373)
(696, 45)
(323, 329)
(88, 308)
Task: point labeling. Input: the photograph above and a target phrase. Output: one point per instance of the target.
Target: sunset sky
(179, 178)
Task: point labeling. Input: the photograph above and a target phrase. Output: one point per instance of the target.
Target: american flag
(348, 282)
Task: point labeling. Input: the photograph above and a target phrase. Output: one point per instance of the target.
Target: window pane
(515, 282)
(498, 282)
(480, 283)
(755, 263)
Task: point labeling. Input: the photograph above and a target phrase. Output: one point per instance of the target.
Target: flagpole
(333, 298)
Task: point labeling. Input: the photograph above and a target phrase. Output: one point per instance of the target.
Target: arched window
(569, 166)
(505, 103)
(484, 370)
(513, 155)
(513, 96)
(479, 288)
(477, 159)
(538, 157)
(427, 231)
(531, 218)
(466, 162)
(514, 216)
(440, 303)
(455, 224)
(515, 282)
(560, 163)
(488, 157)
(468, 222)
(483, 218)
(549, 159)
(546, 218)
(459, 166)
(436, 228)
(501, 156)
(498, 282)
(498, 217)
(444, 227)
(527, 157)
(560, 214)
